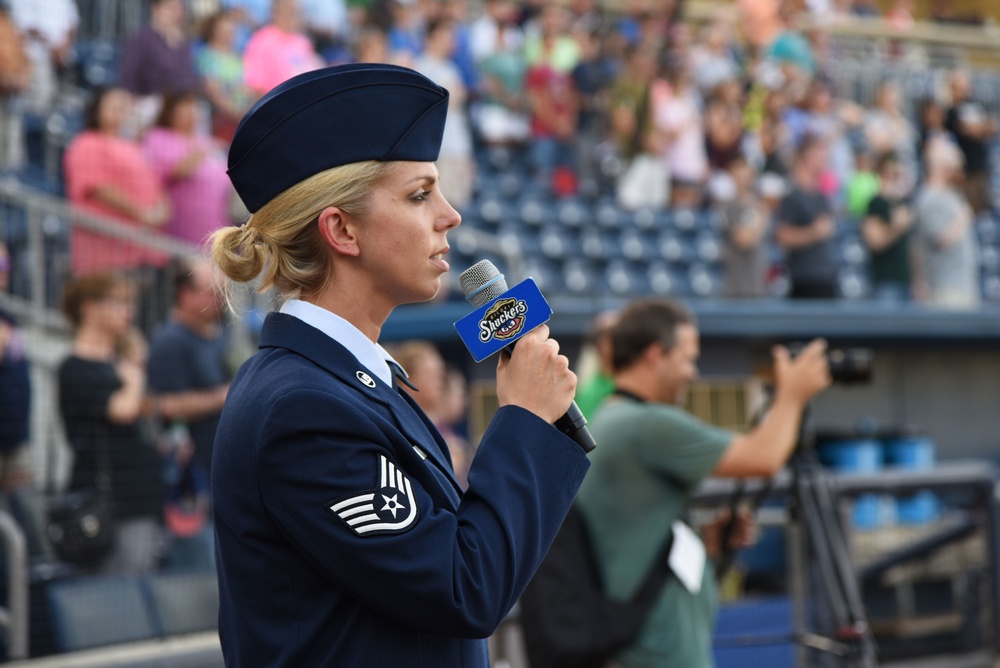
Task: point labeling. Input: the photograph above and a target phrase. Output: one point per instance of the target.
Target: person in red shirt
(107, 174)
(554, 105)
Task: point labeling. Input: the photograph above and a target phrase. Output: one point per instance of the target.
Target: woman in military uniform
(343, 537)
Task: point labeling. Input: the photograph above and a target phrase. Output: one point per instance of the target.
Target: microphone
(502, 316)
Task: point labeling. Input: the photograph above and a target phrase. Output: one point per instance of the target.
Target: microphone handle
(572, 423)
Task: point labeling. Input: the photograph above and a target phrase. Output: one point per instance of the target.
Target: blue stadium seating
(493, 208)
(183, 602)
(535, 209)
(854, 283)
(102, 610)
(99, 62)
(853, 252)
(647, 219)
(609, 216)
(595, 245)
(988, 229)
(634, 246)
(579, 277)
(624, 279)
(708, 247)
(705, 280)
(555, 243)
(573, 212)
(674, 248)
(989, 258)
(685, 220)
(663, 280)
(991, 287)
(546, 273)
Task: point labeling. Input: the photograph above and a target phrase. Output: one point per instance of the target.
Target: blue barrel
(861, 455)
(915, 453)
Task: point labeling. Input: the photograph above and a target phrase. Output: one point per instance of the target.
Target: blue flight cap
(335, 116)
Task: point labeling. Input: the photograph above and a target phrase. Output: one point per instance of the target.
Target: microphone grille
(482, 283)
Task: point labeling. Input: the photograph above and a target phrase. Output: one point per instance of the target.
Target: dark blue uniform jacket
(343, 538)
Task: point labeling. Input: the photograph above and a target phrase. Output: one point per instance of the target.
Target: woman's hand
(536, 377)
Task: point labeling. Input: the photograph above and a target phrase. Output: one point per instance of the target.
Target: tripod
(816, 537)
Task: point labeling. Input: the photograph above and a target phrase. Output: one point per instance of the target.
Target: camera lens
(851, 366)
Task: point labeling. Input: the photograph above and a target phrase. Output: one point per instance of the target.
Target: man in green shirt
(652, 456)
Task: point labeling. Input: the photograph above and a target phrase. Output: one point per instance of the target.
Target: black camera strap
(628, 395)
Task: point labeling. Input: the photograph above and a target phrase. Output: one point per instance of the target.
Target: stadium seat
(622, 278)
(535, 209)
(673, 248)
(499, 158)
(991, 287)
(652, 220)
(464, 245)
(988, 229)
(493, 208)
(546, 273)
(573, 212)
(853, 283)
(100, 610)
(98, 61)
(708, 248)
(609, 216)
(595, 246)
(634, 246)
(705, 281)
(685, 220)
(514, 243)
(555, 243)
(989, 258)
(514, 182)
(852, 252)
(579, 277)
(663, 280)
(184, 602)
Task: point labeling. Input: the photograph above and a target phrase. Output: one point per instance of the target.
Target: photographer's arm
(764, 450)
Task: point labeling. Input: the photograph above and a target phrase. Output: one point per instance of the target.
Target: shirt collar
(371, 355)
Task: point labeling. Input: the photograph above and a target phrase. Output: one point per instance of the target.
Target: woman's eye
(422, 195)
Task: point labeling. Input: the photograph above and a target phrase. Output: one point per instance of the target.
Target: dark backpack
(566, 619)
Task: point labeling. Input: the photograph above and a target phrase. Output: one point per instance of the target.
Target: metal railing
(14, 617)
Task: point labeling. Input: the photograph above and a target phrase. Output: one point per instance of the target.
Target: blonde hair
(280, 243)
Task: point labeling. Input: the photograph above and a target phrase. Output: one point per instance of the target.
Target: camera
(848, 366)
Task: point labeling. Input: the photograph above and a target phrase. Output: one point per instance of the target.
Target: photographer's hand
(799, 380)
(763, 451)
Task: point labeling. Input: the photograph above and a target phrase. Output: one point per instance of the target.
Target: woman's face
(114, 110)
(185, 116)
(889, 97)
(402, 239)
(224, 33)
(113, 313)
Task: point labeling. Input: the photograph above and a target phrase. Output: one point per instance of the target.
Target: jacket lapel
(285, 331)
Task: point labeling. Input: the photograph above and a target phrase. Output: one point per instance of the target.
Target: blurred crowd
(734, 114)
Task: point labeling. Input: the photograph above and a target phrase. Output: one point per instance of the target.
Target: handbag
(81, 523)
(80, 528)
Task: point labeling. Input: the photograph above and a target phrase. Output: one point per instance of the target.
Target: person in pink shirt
(279, 50)
(192, 168)
(107, 174)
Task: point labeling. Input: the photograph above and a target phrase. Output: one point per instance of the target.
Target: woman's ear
(337, 229)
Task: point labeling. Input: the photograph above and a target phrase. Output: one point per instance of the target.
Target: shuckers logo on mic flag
(498, 323)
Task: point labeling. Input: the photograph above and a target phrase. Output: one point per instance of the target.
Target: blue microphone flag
(502, 321)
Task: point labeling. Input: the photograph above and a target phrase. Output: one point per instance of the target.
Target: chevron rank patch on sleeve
(391, 508)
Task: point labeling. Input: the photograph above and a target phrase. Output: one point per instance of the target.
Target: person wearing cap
(343, 537)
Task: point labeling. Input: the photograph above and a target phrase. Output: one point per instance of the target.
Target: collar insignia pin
(366, 379)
